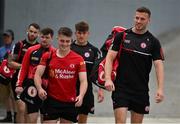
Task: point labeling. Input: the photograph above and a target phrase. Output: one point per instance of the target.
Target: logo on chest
(127, 41)
(35, 58)
(143, 45)
(72, 66)
(87, 54)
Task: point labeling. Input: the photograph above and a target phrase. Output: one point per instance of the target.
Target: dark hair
(47, 31)
(34, 25)
(9, 32)
(82, 26)
(65, 31)
(144, 9)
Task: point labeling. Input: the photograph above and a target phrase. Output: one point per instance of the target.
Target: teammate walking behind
(25, 84)
(18, 51)
(6, 90)
(90, 53)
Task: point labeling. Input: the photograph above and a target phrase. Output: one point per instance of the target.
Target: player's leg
(120, 115)
(136, 118)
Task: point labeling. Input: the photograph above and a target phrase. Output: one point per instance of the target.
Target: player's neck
(81, 43)
(62, 53)
(139, 31)
(32, 41)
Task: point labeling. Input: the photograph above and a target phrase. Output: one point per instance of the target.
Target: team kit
(55, 84)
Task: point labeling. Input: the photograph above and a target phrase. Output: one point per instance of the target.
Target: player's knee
(21, 106)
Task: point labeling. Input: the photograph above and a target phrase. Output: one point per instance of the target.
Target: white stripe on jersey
(89, 62)
(142, 53)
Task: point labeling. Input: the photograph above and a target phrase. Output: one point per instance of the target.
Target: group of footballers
(55, 82)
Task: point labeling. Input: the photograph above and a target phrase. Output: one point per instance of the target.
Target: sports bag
(98, 75)
(6, 72)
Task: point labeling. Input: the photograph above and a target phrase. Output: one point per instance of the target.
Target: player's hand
(19, 90)
(79, 100)
(42, 93)
(159, 96)
(100, 95)
(109, 85)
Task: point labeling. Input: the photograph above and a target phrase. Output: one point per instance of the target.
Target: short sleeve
(116, 42)
(82, 65)
(97, 54)
(45, 58)
(157, 51)
(15, 51)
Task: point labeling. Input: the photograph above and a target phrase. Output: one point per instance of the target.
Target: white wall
(101, 15)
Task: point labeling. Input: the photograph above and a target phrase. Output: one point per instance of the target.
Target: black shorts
(138, 103)
(30, 96)
(55, 109)
(87, 105)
